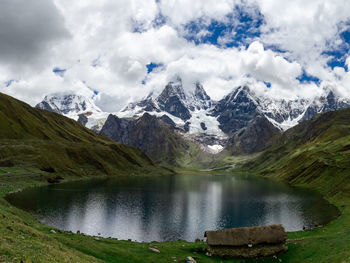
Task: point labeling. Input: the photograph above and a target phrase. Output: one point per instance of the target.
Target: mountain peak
(173, 89)
(200, 93)
(68, 103)
(174, 101)
(75, 106)
(243, 91)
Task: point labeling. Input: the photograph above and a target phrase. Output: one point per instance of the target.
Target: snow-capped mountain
(77, 107)
(172, 100)
(212, 125)
(329, 101)
(189, 111)
(236, 110)
(240, 114)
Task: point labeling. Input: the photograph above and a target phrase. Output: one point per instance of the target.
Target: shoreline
(314, 225)
(292, 236)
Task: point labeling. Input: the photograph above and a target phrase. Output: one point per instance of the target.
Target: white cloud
(107, 45)
(305, 29)
(33, 89)
(181, 12)
(222, 69)
(28, 34)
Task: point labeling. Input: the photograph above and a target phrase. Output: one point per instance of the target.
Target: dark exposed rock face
(236, 110)
(84, 117)
(256, 137)
(172, 100)
(118, 129)
(44, 105)
(187, 127)
(148, 133)
(200, 93)
(168, 121)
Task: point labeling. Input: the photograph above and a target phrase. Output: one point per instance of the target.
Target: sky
(119, 51)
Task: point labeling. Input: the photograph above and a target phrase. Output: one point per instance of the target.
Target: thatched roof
(273, 234)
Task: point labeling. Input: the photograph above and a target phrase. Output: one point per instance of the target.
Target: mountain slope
(257, 136)
(236, 110)
(36, 138)
(154, 136)
(243, 122)
(315, 152)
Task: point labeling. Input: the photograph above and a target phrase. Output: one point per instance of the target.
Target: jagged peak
(173, 89)
(146, 116)
(65, 94)
(245, 89)
(239, 92)
(200, 92)
(67, 102)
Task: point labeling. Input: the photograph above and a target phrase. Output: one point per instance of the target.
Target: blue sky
(58, 71)
(338, 55)
(236, 29)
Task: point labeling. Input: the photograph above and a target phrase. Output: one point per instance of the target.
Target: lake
(164, 208)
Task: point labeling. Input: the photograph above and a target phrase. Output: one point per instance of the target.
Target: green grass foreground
(24, 239)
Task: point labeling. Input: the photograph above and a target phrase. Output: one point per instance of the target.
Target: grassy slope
(35, 138)
(315, 154)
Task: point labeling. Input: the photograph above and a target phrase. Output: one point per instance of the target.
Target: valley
(182, 131)
(29, 158)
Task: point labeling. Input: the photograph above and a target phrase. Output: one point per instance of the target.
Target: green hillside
(34, 138)
(315, 153)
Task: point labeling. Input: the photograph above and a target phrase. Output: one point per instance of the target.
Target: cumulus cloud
(181, 12)
(219, 70)
(105, 46)
(305, 29)
(28, 32)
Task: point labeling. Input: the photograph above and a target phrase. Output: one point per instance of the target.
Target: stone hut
(247, 242)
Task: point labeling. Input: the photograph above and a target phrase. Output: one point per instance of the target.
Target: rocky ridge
(242, 121)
